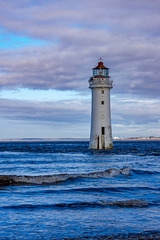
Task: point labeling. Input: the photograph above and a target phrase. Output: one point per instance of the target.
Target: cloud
(50, 111)
(76, 33)
(129, 116)
(133, 66)
(135, 116)
(134, 111)
(45, 19)
(54, 119)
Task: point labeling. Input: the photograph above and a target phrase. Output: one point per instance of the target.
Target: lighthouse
(101, 130)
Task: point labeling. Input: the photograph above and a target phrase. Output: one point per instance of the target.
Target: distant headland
(137, 138)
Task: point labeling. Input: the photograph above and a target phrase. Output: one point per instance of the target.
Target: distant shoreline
(73, 139)
(44, 139)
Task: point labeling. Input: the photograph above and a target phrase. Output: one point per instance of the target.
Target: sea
(63, 190)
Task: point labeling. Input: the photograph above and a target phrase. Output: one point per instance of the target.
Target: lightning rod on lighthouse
(101, 130)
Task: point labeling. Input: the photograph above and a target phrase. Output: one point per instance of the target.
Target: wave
(58, 178)
(101, 190)
(124, 204)
(142, 172)
(147, 235)
(111, 189)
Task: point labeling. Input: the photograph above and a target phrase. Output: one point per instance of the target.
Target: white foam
(126, 203)
(52, 179)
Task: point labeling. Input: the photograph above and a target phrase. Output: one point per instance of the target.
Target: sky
(47, 52)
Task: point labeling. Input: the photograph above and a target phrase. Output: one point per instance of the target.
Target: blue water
(63, 190)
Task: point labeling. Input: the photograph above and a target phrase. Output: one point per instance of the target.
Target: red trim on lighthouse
(100, 65)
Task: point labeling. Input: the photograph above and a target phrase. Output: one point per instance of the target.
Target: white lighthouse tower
(101, 131)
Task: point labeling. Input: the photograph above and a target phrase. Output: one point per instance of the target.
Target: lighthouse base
(100, 143)
(101, 138)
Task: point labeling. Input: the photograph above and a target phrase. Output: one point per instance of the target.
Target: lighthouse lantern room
(101, 131)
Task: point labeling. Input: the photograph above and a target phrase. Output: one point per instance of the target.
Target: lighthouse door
(103, 138)
(98, 142)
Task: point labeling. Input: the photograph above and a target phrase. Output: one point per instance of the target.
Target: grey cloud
(47, 112)
(47, 19)
(125, 111)
(119, 31)
(135, 111)
(133, 70)
(130, 117)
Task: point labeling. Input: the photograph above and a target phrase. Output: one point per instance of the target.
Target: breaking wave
(126, 203)
(58, 178)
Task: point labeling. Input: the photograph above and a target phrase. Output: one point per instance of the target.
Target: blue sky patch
(10, 41)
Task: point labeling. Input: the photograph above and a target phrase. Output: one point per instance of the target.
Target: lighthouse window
(103, 130)
(102, 91)
(102, 102)
(95, 72)
(107, 72)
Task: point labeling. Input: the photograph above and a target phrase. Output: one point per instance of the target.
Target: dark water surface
(63, 190)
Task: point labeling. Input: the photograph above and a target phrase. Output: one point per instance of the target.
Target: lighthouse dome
(100, 70)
